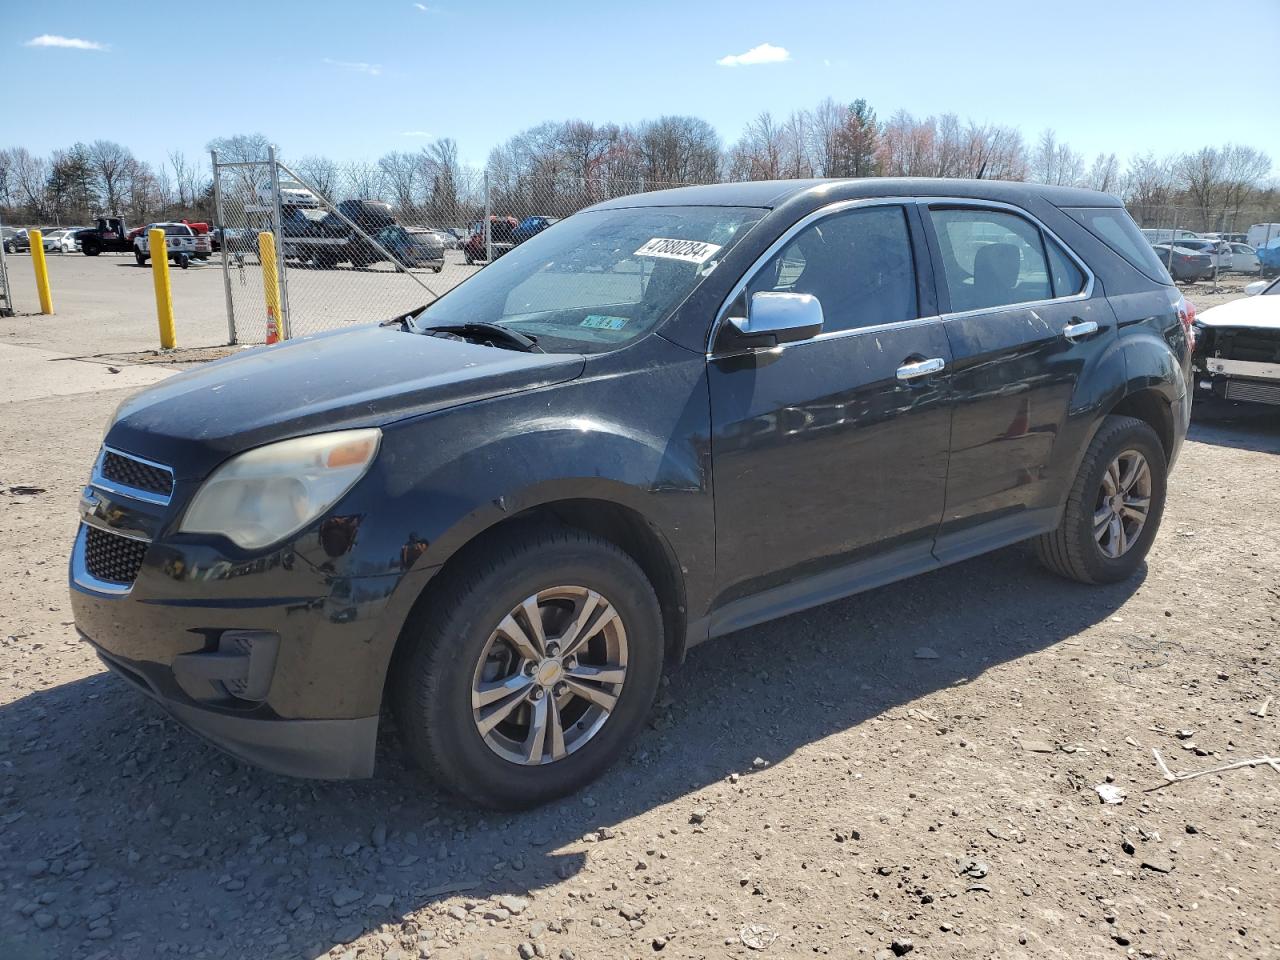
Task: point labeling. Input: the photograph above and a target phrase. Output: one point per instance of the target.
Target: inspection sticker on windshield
(601, 322)
(690, 251)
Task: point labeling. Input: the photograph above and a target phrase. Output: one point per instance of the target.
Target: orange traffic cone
(273, 327)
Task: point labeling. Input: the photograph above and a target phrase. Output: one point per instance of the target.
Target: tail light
(1187, 314)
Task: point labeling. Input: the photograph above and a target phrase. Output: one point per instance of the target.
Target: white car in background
(1244, 259)
(62, 240)
(1237, 353)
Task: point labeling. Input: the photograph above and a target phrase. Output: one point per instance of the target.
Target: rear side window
(857, 263)
(1114, 227)
(991, 258)
(1068, 278)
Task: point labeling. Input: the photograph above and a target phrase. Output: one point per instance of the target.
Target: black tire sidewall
(1135, 435)
(457, 752)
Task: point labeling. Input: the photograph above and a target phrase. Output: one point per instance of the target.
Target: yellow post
(164, 295)
(42, 272)
(270, 284)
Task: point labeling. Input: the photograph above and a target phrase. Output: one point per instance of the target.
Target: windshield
(598, 279)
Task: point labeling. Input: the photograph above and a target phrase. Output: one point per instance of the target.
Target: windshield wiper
(486, 332)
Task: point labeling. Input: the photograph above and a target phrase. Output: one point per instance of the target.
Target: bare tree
(1203, 176)
(1244, 170)
(112, 165)
(760, 153)
(677, 149)
(1056, 163)
(1104, 174)
(320, 174)
(402, 173)
(1149, 188)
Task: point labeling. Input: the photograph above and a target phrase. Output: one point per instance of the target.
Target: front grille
(1253, 391)
(128, 472)
(1247, 343)
(112, 558)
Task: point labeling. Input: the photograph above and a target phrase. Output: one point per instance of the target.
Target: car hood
(1259, 311)
(368, 376)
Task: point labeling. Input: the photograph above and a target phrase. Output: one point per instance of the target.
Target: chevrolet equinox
(663, 419)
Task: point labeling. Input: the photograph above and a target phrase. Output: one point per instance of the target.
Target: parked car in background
(531, 226)
(1218, 251)
(292, 194)
(1237, 355)
(182, 244)
(16, 240)
(496, 515)
(107, 235)
(1244, 259)
(411, 246)
(52, 241)
(1184, 265)
(501, 239)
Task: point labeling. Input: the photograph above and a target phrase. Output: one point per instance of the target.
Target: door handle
(1080, 328)
(921, 368)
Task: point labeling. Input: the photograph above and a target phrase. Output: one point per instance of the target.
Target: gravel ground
(908, 771)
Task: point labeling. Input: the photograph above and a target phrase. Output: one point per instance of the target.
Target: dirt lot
(909, 771)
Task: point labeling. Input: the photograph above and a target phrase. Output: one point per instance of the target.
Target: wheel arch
(610, 519)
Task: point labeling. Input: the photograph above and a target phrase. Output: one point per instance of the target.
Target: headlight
(264, 495)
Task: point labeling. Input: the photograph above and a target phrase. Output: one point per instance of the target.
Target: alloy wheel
(549, 675)
(1123, 502)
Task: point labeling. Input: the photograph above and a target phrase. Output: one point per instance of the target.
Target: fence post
(42, 271)
(221, 224)
(282, 295)
(488, 229)
(270, 283)
(164, 294)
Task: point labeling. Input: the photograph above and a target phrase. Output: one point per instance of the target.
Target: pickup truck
(181, 242)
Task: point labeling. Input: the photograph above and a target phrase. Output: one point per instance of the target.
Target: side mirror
(1255, 288)
(773, 319)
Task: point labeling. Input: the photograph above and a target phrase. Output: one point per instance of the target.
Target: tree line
(558, 167)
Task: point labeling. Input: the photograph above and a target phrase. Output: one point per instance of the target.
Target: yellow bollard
(270, 285)
(164, 295)
(42, 272)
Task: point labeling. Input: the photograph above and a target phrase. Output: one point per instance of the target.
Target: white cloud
(70, 43)
(765, 53)
(425, 9)
(373, 69)
(416, 133)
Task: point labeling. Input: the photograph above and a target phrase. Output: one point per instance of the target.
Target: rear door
(1025, 320)
(833, 450)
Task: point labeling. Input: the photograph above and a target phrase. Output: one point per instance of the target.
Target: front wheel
(1114, 508)
(140, 257)
(90, 249)
(531, 670)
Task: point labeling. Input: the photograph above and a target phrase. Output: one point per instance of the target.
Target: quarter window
(991, 258)
(857, 263)
(1068, 279)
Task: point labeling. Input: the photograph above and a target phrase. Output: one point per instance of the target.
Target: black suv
(665, 418)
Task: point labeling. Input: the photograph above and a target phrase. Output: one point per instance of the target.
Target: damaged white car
(1237, 354)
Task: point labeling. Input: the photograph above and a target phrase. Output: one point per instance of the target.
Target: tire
(1073, 550)
(140, 257)
(90, 249)
(436, 269)
(455, 643)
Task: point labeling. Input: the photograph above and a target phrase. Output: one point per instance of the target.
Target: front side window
(857, 263)
(991, 258)
(598, 279)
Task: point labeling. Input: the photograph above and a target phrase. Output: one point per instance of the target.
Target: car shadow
(1244, 426)
(261, 863)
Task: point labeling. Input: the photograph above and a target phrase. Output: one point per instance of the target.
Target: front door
(833, 450)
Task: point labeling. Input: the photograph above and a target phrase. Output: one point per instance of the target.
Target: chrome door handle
(921, 368)
(1081, 328)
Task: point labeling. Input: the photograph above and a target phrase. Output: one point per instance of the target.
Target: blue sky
(356, 79)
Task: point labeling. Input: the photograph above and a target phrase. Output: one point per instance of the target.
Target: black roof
(773, 193)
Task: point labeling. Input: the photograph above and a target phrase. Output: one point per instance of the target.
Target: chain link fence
(1248, 237)
(364, 244)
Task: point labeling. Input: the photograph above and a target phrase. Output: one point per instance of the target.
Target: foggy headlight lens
(264, 495)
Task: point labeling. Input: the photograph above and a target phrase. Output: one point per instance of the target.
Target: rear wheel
(532, 669)
(1114, 508)
(140, 257)
(90, 248)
